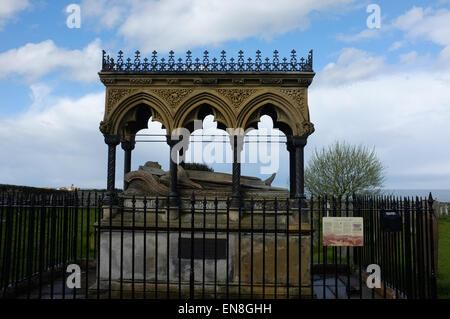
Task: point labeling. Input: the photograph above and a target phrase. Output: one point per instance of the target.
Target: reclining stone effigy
(151, 180)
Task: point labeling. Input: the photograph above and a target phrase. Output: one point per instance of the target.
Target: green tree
(198, 167)
(343, 169)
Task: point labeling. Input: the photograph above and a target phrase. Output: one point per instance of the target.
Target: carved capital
(297, 141)
(112, 140)
(105, 127)
(307, 128)
(128, 145)
(172, 141)
(237, 141)
(289, 144)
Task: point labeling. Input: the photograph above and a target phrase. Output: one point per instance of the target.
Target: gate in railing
(204, 249)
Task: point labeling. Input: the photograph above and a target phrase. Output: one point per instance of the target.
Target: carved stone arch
(133, 113)
(285, 115)
(175, 92)
(199, 106)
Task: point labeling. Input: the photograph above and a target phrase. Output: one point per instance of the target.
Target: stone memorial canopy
(176, 92)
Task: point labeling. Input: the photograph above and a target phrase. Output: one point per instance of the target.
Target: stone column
(291, 150)
(112, 141)
(299, 143)
(183, 150)
(182, 157)
(237, 141)
(173, 194)
(128, 147)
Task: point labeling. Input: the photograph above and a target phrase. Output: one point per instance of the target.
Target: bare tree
(343, 169)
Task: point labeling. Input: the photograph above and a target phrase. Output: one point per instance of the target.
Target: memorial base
(264, 252)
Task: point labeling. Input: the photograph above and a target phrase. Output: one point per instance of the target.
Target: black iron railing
(207, 64)
(40, 234)
(215, 251)
(407, 255)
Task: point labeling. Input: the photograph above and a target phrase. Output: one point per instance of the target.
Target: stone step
(210, 221)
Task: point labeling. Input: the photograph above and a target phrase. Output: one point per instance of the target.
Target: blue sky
(386, 88)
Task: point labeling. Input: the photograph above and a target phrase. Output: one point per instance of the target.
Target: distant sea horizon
(441, 195)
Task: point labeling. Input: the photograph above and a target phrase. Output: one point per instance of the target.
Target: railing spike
(239, 64)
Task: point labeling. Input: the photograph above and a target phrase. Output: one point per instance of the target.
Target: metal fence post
(191, 272)
(432, 256)
(407, 227)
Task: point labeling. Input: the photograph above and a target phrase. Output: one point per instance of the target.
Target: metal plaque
(391, 221)
(211, 249)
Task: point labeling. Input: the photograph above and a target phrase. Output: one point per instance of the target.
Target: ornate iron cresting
(207, 64)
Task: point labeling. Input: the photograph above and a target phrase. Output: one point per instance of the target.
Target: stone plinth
(144, 247)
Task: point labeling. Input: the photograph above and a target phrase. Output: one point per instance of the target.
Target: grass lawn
(443, 279)
(50, 240)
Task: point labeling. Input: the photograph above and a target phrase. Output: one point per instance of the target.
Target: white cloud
(417, 24)
(396, 45)
(106, 13)
(55, 143)
(9, 7)
(403, 113)
(40, 95)
(413, 58)
(352, 65)
(409, 19)
(34, 60)
(428, 24)
(444, 58)
(183, 24)
(363, 35)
